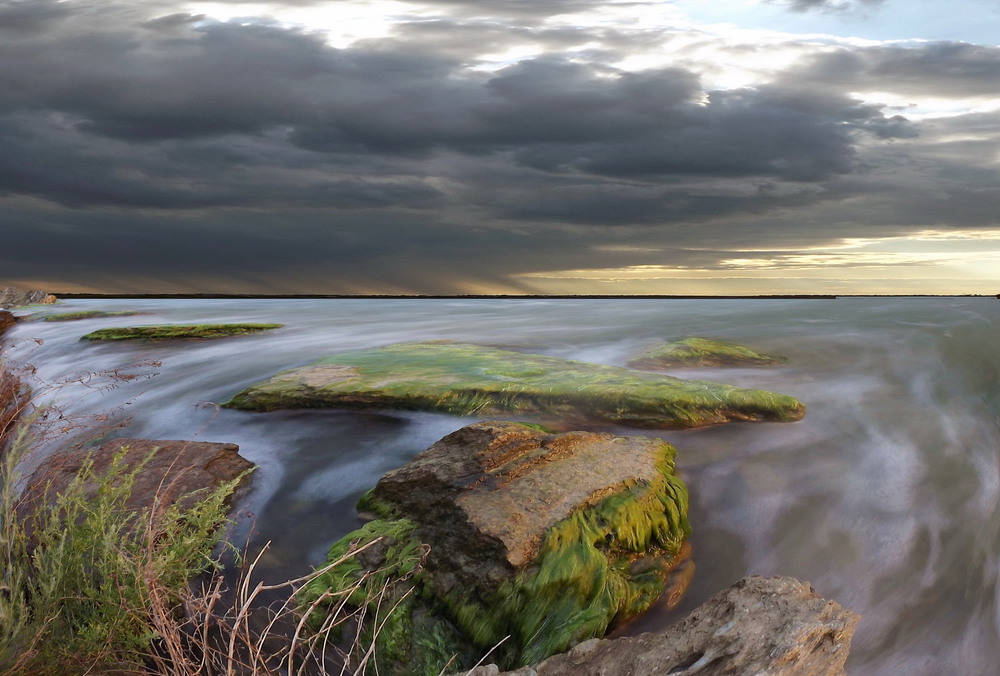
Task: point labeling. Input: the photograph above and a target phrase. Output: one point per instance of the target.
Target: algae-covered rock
(503, 530)
(176, 331)
(468, 379)
(89, 314)
(695, 351)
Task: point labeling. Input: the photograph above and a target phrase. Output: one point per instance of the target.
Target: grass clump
(176, 331)
(85, 578)
(89, 314)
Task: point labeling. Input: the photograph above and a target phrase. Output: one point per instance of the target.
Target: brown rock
(176, 469)
(493, 470)
(546, 539)
(7, 320)
(769, 626)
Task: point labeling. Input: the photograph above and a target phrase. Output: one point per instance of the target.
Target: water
(886, 497)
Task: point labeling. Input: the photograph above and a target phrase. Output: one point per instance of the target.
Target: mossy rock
(466, 379)
(177, 332)
(502, 530)
(89, 314)
(695, 351)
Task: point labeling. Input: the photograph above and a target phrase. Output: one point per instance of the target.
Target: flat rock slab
(176, 469)
(466, 379)
(695, 351)
(768, 626)
(177, 331)
(545, 538)
(513, 483)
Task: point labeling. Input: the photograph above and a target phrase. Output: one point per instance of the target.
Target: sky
(732, 147)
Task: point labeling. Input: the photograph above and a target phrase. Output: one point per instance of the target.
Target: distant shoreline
(195, 296)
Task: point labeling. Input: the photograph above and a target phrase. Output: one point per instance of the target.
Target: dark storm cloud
(933, 69)
(168, 144)
(177, 112)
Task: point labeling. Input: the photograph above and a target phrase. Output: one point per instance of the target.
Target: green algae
(177, 331)
(602, 565)
(465, 379)
(89, 314)
(695, 351)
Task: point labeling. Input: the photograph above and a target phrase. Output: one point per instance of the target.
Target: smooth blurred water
(886, 497)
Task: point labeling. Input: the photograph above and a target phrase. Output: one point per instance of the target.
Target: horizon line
(195, 296)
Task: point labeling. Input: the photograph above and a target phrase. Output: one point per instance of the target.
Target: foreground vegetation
(88, 586)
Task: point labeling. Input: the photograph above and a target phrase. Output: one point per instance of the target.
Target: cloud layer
(176, 150)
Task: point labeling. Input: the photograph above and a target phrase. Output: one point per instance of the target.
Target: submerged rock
(694, 351)
(175, 332)
(775, 626)
(89, 314)
(466, 379)
(503, 530)
(170, 471)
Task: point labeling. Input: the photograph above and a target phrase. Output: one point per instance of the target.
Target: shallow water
(886, 497)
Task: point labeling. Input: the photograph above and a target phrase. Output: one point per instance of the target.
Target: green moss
(176, 331)
(382, 582)
(468, 379)
(602, 565)
(88, 314)
(695, 351)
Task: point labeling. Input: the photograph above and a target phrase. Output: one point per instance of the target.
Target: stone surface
(6, 321)
(177, 331)
(547, 538)
(468, 379)
(765, 626)
(695, 351)
(176, 469)
(12, 297)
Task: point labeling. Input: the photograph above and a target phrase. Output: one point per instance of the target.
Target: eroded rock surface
(468, 379)
(175, 469)
(502, 529)
(768, 626)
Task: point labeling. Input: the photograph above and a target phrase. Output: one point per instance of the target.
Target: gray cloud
(944, 69)
(165, 145)
(838, 6)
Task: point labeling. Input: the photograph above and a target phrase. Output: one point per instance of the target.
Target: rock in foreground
(694, 351)
(502, 530)
(177, 332)
(468, 379)
(172, 469)
(769, 626)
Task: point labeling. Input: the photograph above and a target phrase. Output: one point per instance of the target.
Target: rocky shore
(508, 537)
